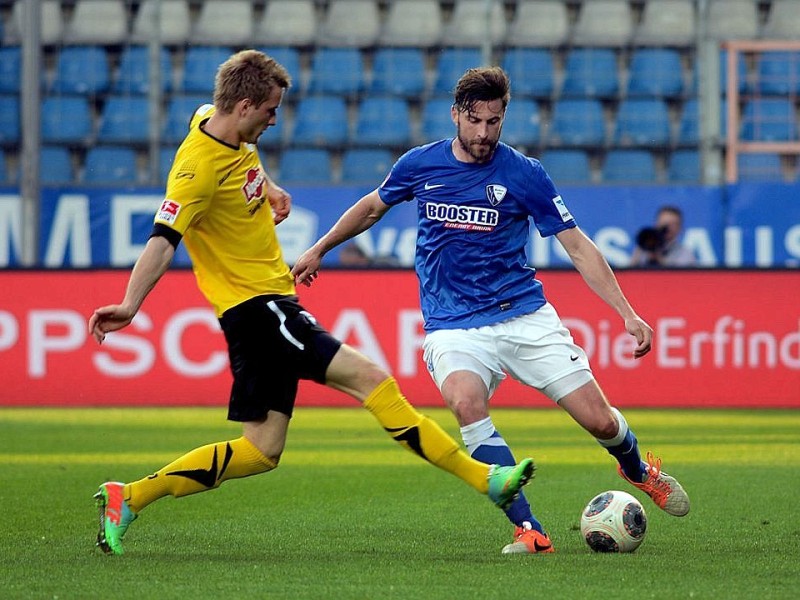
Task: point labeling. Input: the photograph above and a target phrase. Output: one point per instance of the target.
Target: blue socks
(485, 444)
(625, 449)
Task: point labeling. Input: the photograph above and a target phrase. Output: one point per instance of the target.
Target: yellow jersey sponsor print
(216, 199)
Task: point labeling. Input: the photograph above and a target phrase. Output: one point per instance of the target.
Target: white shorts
(535, 349)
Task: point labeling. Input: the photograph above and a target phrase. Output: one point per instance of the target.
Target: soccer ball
(613, 521)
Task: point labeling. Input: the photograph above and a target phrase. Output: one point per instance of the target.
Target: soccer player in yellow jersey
(224, 206)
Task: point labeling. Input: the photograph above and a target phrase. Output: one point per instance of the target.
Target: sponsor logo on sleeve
(168, 212)
(562, 209)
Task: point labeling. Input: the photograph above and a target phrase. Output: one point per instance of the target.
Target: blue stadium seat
(382, 121)
(287, 56)
(769, 120)
(10, 69)
(366, 165)
(629, 166)
(320, 121)
(179, 112)
(759, 168)
(642, 122)
(3, 169)
(531, 71)
(66, 120)
(305, 165)
(110, 165)
(55, 165)
(133, 75)
(591, 73)
(9, 120)
(689, 128)
(577, 123)
(82, 70)
(683, 166)
(741, 72)
(165, 158)
(655, 72)
(779, 73)
(398, 72)
(124, 120)
(200, 67)
(337, 71)
(450, 66)
(436, 123)
(567, 166)
(522, 124)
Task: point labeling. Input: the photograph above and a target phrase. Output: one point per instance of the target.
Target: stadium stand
(733, 19)
(436, 123)
(539, 23)
(366, 165)
(165, 158)
(398, 71)
(577, 122)
(683, 166)
(110, 165)
(338, 71)
(174, 22)
(82, 70)
(591, 73)
(101, 22)
(289, 57)
(783, 22)
(470, 25)
(531, 71)
(760, 167)
(655, 72)
(382, 121)
(778, 73)
(669, 23)
(287, 23)
(603, 23)
(66, 120)
(9, 120)
(628, 166)
(133, 73)
(769, 120)
(55, 165)
(642, 122)
(223, 22)
(200, 66)
(179, 112)
(10, 69)
(123, 120)
(567, 166)
(352, 23)
(305, 165)
(451, 64)
(689, 128)
(415, 23)
(320, 121)
(3, 169)
(52, 19)
(522, 123)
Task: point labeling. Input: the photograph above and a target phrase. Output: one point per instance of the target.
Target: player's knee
(467, 410)
(605, 426)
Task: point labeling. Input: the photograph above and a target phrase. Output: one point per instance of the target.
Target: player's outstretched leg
(665, 491)
(506, 482)
(115, 516)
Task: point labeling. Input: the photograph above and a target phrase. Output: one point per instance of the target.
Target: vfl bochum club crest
(495, 193)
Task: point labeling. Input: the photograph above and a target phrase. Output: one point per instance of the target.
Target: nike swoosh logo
(573, 358)
(539, 547)
(433, 186)
(208, 477)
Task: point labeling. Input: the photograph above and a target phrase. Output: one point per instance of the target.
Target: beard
(480, 151)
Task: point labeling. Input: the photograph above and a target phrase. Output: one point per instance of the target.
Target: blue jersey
(473, 231)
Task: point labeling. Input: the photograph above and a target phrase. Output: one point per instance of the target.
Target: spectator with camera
(660, 246)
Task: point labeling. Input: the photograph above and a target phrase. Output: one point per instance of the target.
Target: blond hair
(248, 74)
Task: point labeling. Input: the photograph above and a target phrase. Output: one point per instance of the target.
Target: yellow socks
(201, 469)
(423, 436)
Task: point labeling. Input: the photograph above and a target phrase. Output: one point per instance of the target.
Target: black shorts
(273, 343)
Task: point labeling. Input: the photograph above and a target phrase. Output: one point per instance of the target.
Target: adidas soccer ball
(613, 521)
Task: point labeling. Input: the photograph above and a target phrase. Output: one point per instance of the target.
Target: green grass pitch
(350, 515)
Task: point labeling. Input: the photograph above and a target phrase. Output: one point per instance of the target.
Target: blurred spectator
(660, 246)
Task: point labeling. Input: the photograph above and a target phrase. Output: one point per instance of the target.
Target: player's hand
(306, 269)
(281, 202)
(643, 333)
(109, 318)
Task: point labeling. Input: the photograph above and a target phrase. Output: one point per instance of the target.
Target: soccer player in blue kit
(485, 314)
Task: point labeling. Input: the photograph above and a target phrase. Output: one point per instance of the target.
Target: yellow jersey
(216, 199)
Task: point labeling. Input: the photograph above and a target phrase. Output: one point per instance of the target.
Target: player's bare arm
(597, 273)
(151, 265)
(359, 217)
